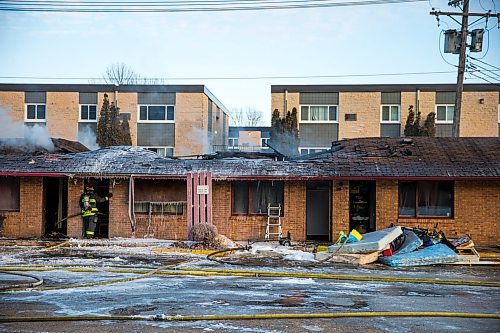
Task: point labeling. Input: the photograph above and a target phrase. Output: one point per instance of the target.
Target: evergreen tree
(284, 132)
(429, 128)
(417, 128)
(409, 122)
(110, 130)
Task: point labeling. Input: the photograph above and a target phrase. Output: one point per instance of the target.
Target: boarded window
(9, 193)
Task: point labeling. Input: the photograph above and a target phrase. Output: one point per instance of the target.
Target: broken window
(426, 198)
(159, 196)
(9, 193)
(253, 197)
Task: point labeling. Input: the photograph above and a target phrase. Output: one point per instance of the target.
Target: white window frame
(88, 120)
(161, 147)
(156, 121)
(232, 140)
(318, 121)
(309, 150)
(447, 121)
(36, 120)
(266, 140)
(390, 107)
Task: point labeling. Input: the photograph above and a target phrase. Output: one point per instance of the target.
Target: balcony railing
(248, 149)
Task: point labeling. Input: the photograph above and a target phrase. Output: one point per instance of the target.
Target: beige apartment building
(329, 113)
(173, 120)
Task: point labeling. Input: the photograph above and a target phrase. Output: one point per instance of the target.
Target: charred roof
(367, 158)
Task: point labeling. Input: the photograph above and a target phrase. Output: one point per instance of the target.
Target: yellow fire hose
(185, 271)
(255, 316)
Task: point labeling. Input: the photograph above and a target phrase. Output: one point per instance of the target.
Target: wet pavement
(230, 295)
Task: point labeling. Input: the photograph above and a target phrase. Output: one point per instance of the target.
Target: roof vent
(407, 141)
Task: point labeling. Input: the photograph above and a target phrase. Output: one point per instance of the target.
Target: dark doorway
(362, 206)
(55, 196)
(318, 210)
(101, 188)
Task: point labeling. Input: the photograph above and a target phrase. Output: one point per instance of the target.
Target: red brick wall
(340, 208)
(238, 227)
(74, 224)
(28, 222)
(476, 211)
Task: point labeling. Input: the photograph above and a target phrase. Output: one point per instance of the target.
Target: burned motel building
(363, 183)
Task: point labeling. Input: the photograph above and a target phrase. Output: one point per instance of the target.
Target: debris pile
(400, 247)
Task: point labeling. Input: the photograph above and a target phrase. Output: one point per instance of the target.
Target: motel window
(318, 113)
(35, 112)
(253, 197)
(445, 113)
(159, 196)
(426, 199)
(232, 142)
(88, 112)
(9, 193)
(162, 151)
(390, 113)
(264, 143)
(156, 113)
(306, 151)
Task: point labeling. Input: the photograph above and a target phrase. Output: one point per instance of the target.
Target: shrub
(203, 232)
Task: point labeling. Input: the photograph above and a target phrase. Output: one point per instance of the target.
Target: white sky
(391, 38)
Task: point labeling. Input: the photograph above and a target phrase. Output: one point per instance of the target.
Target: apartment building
(172, 120)
(333, 112)
(248, 138)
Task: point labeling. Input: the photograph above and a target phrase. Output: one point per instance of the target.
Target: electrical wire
(485, 63)
(198, 6)
(240, 77)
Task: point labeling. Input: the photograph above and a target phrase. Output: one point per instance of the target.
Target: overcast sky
(390, 38)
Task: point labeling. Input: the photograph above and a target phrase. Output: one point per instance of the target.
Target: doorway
(55, 196)
(101, 188)
(362, 206)
(318, 210)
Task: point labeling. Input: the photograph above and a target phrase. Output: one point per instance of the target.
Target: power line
(234, 78)
(484, 63)
(181, 6)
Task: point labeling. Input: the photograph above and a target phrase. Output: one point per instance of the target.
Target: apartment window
(318, 113)
(162, 151)
(390, 114)
(88, 112)
(306, 151)
(35, 112)
(253, 197)
(445, 113)
(9, 193)
(426, 199)
(264, 143)
(156, 113)
(232, 142)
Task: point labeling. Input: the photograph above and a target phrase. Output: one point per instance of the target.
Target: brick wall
(340, 208)
(366, 106)
(238, 227)
(12, 102)
(479, 119)
(119, 222)
(191, 124)
(28, 222)
(476, 211)
(74, 224)
(62, 114)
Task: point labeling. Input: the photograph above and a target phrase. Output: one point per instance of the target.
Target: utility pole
(461, 70)
(462, 53)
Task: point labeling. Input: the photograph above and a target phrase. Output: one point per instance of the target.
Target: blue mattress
(435, 254)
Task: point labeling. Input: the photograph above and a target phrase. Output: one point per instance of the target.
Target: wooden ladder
(273, 221)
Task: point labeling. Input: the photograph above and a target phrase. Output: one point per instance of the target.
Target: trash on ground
(371, 242)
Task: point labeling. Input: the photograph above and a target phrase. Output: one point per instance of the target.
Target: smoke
(33, 135)
(87, 137)
(198, 143)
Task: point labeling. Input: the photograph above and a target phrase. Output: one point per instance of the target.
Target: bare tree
(119, 73)
(246, 117)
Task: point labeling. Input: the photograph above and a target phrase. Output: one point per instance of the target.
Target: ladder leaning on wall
(273, 221)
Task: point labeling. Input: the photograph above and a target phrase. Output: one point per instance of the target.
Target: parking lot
(110, 280)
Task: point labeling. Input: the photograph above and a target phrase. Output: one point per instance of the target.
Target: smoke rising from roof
(29, 137)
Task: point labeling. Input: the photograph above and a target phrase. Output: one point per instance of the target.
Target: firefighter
(89, 210)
